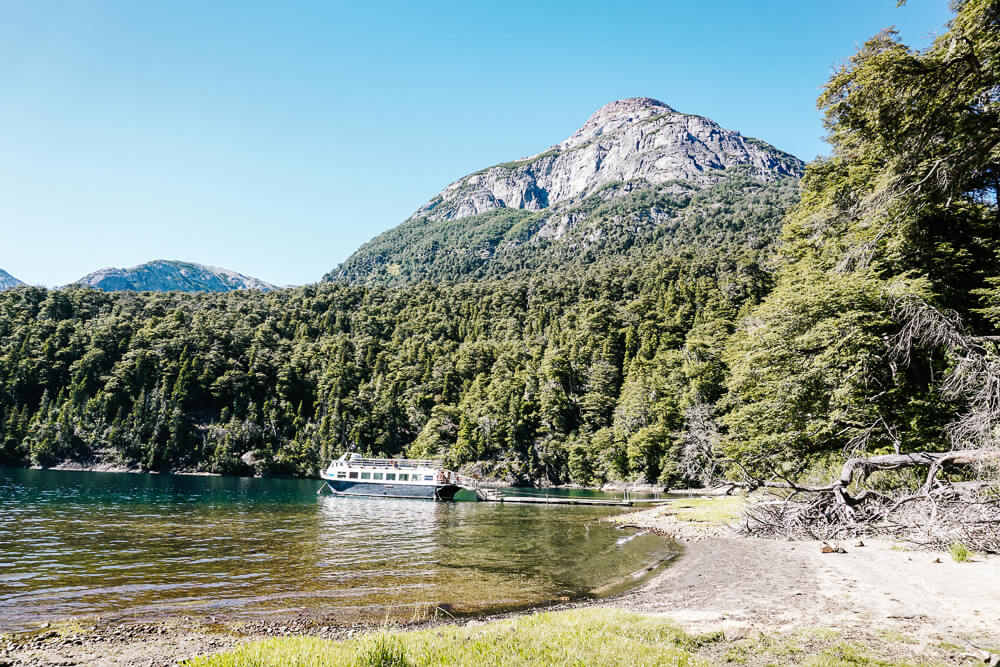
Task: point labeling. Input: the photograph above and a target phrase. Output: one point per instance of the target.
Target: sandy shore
(742, 585)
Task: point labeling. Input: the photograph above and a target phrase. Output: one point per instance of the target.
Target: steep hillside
(170, 276)
(637, 173)
(7, 281)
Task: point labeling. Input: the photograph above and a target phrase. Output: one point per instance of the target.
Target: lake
(136, 547)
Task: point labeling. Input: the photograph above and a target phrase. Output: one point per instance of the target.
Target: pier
(489, 495)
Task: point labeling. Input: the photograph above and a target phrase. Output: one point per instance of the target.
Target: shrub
(959, 552)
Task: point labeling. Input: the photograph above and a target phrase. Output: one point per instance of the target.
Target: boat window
(403, 477)
(366, 475)
(378, 475)
(429, 478)
(341, 475)
(353, 475)
(390, 476)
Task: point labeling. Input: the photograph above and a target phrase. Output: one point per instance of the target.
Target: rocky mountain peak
(615, 115)
(628, 106)
(630, 143)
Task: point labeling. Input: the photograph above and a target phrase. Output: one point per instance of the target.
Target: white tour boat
(353, 475)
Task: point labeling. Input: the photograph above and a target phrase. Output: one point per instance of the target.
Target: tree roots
(933, 515)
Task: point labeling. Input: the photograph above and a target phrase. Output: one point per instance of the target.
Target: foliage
(959, 552)
(591, 636)
(899, 223)
(554, 376)
(647, 332)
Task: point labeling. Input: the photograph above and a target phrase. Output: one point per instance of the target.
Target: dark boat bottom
(420, 492)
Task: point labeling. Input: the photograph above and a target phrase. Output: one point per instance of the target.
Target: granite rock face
(638, 141)
(169, 276)
(8, 281)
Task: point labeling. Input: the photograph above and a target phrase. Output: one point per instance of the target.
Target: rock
(734, 630)
(635, 139)
(628, 147)
(936, 560)
(859, 543)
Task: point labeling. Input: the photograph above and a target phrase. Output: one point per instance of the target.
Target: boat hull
(351, 487)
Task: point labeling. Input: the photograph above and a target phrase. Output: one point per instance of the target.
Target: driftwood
(934, 514)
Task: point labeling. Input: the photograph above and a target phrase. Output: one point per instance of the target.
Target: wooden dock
(496, 496)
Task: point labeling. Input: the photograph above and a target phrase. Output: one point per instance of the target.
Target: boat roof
(357, 459)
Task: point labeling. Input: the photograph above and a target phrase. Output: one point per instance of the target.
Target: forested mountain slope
(637, 175)
(624, 228)
(580, 340)
(561, 376)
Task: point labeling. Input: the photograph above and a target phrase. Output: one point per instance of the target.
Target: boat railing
(467, 482)
(394, 463)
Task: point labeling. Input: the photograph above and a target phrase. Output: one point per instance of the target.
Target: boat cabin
(353, 474)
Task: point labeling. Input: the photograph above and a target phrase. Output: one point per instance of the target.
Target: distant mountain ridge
(169, 276)
(637, 173)
(8, 281)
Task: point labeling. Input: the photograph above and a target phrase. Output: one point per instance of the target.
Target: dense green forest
(566, 375)
(736, 331)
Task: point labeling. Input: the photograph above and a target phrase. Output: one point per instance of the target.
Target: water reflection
(143, 546)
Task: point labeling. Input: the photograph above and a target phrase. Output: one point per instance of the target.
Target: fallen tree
(935, 514)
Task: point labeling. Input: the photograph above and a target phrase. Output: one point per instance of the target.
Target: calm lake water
(141, 547)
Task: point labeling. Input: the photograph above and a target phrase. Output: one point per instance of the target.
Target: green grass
(959, 552)
(819, 647)
(595, 636)
(383, 650)
(895, 636)
(578, 637)
(715, 511)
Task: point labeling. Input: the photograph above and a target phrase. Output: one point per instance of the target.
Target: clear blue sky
(275, 138)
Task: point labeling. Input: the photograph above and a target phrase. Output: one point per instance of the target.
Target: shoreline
(741, 590)
(175, 639)
(109, 467)
(73, 466)
(736, 587)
